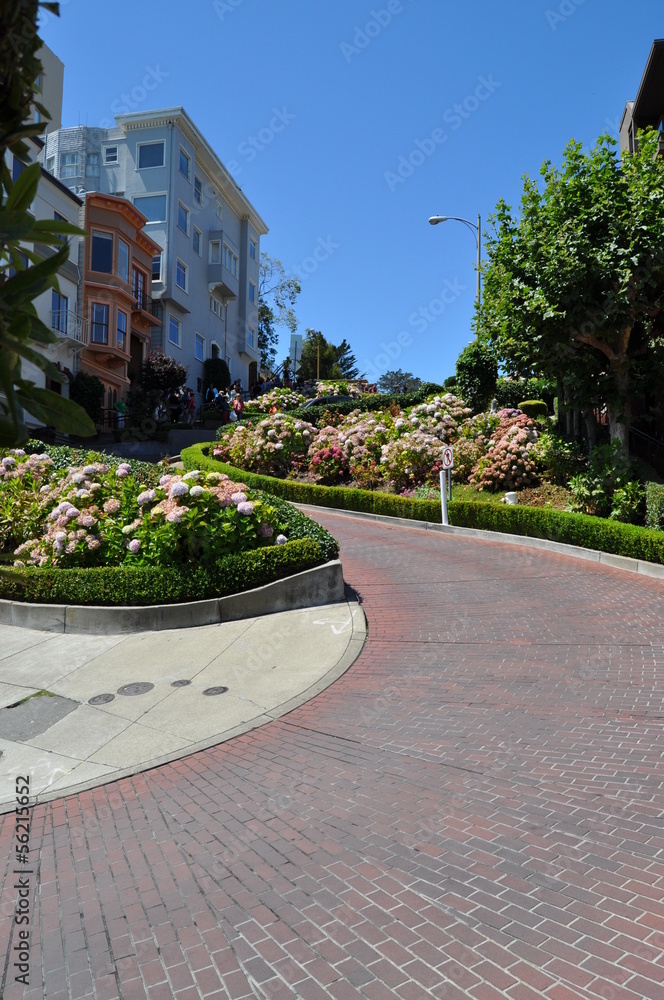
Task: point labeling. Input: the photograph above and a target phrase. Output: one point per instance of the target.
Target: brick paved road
(473, 810)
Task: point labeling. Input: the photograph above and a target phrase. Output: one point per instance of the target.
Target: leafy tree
(215, 374)
(476, 374)
(23, 274)
(276, 297)
(161, 373)
(574, 288)
(398, 381)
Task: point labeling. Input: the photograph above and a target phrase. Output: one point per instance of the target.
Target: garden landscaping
(81, 527)
(387, 461)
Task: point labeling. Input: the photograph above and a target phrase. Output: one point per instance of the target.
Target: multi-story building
(116, 264)
(206, 276)
(647, 109)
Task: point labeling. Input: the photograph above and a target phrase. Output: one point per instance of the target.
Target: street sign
(448, 457)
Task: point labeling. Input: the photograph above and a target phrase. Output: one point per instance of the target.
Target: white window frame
(250, 336)
(119, 313)
(211, 255)
(196, 238)
(186, 218)
(92, 169)
(252, 288)
(174, 320)
(198, 191)
(253, 245)
(183, 152)
(108, 157)
(229, 259)
(185, 271)
(152, 194)
(156, 142)
(198, 339)
(68, 169)
(216, 307)
(219, 211)
(161, 262)
(121, 243)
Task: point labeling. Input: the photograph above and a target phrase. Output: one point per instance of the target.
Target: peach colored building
(117, 279)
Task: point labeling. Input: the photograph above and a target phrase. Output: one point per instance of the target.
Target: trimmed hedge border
(132, 586)
(537, 522)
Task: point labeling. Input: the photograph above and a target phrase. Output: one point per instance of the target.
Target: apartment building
(205, 278)
(116, 265)
(647, 109)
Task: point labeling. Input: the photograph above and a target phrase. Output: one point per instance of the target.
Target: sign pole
(443, 495)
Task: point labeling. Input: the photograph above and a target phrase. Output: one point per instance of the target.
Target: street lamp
(477, 233)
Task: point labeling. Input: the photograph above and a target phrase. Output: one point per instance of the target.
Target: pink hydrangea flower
(134, 546)
(245, 507)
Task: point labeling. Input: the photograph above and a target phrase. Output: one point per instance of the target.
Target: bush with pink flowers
(508, 463)
(274, 445)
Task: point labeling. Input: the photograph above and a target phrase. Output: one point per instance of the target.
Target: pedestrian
(190, 407)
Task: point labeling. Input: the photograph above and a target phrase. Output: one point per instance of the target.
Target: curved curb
(655, 570)
(357, 638)
(308, 589)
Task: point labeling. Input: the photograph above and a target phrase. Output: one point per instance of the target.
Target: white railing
(68, 325)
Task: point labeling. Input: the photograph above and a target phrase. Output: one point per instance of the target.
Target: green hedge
(139, 585)
(537, 522)
(534, 408)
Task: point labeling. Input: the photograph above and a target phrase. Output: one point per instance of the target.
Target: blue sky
(349, 122)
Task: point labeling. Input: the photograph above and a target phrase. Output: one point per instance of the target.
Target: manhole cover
(141, 687)
(101, 699)
(180, 684)
(215, 690)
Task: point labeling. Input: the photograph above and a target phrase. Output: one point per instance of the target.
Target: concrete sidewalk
(122, 704)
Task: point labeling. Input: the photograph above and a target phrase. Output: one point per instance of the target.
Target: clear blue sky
(339, 94)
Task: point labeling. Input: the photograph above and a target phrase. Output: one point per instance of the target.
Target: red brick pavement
(473, 811)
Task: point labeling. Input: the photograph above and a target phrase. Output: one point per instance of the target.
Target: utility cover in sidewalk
(139, 687)
(34, 716)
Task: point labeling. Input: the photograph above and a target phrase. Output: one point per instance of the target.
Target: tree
(574, 288)
(160, 373)
(476, 374)
(346, 361)
(88, 391)
(215, 375)
(23, 274)
(398, 381)
(276, 297)
(321, 359)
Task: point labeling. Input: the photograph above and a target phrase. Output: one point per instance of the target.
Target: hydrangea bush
(273, 445)
(98, 515)
(282, 399)
(508, 463)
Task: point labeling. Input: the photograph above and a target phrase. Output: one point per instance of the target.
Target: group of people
(230, 405)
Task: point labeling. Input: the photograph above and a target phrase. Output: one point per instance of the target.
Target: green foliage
(534, 408)
(22, 333)
(655, 506)
(215, 374)
(64, 456)
(508, 391)
(537, 522)
(476, 373)
(145, 585)
(573, 287)
(161, 373)
(608, 488)
(557, 458)
(398, 382)
(88, 391)
(276, 298)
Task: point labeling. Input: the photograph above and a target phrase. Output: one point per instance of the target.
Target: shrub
(508, 463)
(609, 473)
(130, 586)
(534, 408)
(283, 399)
(270, 445)
(557, 458)
(655, 506)
(215, 375)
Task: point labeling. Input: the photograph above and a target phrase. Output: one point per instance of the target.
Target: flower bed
(101, 516)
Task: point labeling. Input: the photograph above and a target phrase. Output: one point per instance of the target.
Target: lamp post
(477, 233)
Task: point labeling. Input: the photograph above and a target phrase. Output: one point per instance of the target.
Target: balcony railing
(147, 304)
(68, 325)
